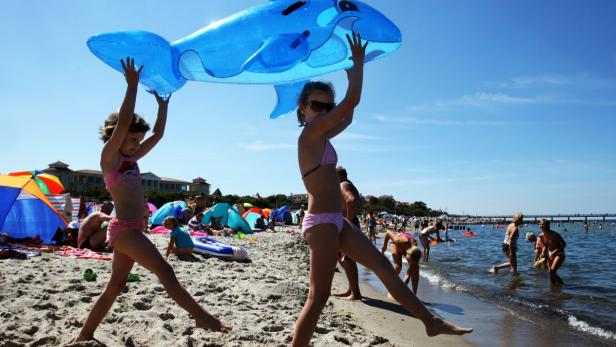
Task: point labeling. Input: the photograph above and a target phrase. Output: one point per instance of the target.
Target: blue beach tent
(281, 215)
(25, 211)
(170, 209)
(229, 216)
(252, 218)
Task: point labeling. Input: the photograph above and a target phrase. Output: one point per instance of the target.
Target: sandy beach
(44, 300)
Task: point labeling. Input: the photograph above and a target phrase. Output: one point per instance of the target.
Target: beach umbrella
(49, 184)
(25, 211)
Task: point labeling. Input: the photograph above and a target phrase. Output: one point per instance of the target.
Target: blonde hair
(414, 253)
(517, 217)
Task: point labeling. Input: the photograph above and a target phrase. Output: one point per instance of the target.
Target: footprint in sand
(31, 330)
(273, 328)
(321, 330)
(142, 305)
(45, 341)
(45, 306)
(166, 316)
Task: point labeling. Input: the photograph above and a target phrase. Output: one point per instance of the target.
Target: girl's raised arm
(344, 110)
(159, 127)
(127, 110)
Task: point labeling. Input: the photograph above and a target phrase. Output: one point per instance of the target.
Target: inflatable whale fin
(279, 53)
(157, 56)
(193, 67)
(287, 97)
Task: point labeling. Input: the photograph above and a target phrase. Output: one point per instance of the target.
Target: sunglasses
(318, 106)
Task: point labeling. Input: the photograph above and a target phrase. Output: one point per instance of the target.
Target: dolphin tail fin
(287, 97)
(158, 58)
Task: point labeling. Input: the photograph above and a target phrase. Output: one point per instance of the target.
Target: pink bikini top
(329, 158)
(407, 235)
(126, 170)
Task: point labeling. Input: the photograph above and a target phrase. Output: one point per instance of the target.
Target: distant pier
(551, 217)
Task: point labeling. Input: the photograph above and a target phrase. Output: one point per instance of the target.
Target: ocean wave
(439, 281)
(587, 328)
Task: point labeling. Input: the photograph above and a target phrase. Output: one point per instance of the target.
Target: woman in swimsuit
(510, 244)
(424, 237)
(324, 228)
(404, 245)
(123, 136)
(554, 250)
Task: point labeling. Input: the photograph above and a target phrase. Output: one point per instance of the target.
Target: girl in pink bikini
(123, 135)
(324, 227)
(404, 245)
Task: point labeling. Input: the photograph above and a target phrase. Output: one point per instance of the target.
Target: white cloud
(481, 99)
(445, 122)
(555, 81)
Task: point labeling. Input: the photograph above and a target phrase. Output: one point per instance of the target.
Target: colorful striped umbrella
(49, 184)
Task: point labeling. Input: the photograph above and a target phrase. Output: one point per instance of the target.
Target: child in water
(180, 242)
(123, 135)
(554, 250)
(324, 228)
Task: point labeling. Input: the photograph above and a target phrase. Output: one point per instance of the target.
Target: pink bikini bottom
(315, 219)
(116, 226)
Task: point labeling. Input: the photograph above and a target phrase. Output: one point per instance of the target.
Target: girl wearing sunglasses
(323, 226)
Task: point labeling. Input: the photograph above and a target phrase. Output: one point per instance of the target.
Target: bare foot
(211, 323)
(351, 297)
(347, 293)
(494, 269)
(82, 338)
(443, 327)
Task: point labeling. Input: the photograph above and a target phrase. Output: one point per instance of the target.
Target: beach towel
(63, 251)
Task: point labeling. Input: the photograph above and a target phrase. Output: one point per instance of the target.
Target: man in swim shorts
(352, 204)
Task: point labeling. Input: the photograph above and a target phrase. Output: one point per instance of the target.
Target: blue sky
(488, 106)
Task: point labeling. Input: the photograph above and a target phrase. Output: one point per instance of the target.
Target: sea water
(581, 311)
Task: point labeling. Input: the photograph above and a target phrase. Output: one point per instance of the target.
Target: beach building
(298, 197)
(76, 181)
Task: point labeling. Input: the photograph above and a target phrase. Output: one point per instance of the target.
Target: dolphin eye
(347, 6)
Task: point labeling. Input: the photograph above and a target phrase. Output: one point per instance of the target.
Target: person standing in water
(324, 228)
(554, 250)
(510, 244)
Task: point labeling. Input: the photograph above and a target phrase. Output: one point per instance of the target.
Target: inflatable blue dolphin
(282, 42)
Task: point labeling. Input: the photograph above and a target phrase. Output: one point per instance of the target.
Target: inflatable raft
(212, 247)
